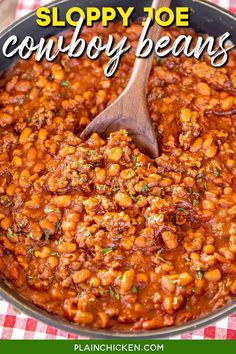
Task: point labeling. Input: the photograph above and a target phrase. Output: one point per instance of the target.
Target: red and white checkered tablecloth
(24, 6)
(19, 326)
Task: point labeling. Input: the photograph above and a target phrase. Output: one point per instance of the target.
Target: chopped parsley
(101, 187)
(160, 60)
(87, 233)
(134, 290)
(188, 308)
(175, 300)
(145, 188)
(10, 233)
(30, 277)
(196, 194)
(199, 180)
(133, 197)
(216, 172)
(134, 158)
(205, 186)
(8, 203)
(185, 211)
(158, 255)
(46, 234)
(31, 252)
(65, 83)
(107, 250)
(48, 209)
(58, 242)
(91, 284)
(58, 226)
(30, 235)
(115, 189)
(113, 293)
(102, 290)
(91, 152)
(147, 218)
(195, 202)
(199, 273)
(54, 253)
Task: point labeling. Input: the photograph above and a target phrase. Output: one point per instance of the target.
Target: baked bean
(62, 201)
(103, 318)
(81, 276)
(67, 150)
(94, 282)
(53, 262)
(5, 119)
(66, 247)
(127, 281)
(58, 72)
(17, 161)
(211, 151)
(6, 223)
(213, 275)
(142, 278)
(115, 154)
(154, 323)
(43, 253)
(170, 239)
(204, 89)
(100, 174)
(94, 230)
(114, 170)
(209, 249)
(42, 134)
(208, 204)
(25, 135)
(227, 103)
(127, 174)
(123, 199)
(227, 253)
(83, 318)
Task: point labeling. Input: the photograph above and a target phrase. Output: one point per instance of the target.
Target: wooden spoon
(130, 111)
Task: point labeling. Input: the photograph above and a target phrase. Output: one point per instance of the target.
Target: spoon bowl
(130, 111)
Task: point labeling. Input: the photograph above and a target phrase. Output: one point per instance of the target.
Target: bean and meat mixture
(97, 232)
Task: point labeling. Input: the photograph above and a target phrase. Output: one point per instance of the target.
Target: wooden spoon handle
(142, 66)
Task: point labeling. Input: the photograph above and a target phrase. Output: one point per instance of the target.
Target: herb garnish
(133, 197)
(46, 234)
(65, 83)
(58, 226)
(199, 273)
(107, 250)
(184, 210)
(134, 290)
(31, 252)
(145, 188)
(113, 293)
(160, 258)
(10, 233)
(216, 172)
